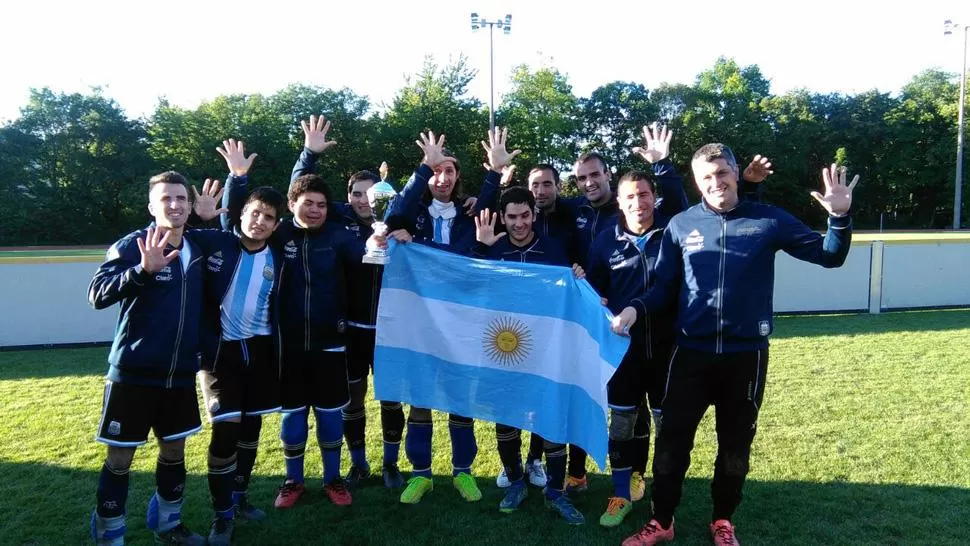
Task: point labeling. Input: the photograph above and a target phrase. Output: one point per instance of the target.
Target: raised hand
(383, 170)
(469, 206)
(152, 248)
(621, 323)
(234, 152)
(578, 272)
(315, 134)
(433, 149)
(838, 196)
(497, 156)
(656, 143)
(507, 173)
(758, 169)
(485, 228)
(206, 204)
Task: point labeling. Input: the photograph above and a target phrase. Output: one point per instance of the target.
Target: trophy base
(376, 259)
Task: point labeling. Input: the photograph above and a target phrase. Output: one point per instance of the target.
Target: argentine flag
(520, 344)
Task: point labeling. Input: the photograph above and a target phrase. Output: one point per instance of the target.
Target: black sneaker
(221, 532)
(392, 477)
(179, 534)
(356, 476)
(247, 511)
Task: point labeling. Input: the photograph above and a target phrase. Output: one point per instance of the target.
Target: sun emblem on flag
(507, 341)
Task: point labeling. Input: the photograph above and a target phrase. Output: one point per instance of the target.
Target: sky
(189, 51)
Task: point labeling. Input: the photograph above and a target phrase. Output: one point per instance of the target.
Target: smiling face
(518, 219)
(717, 180)
(593, 179)
(357, 197)
(258, 221)
(310, 209)
(442, 184)
(636, 201)
(169, 205)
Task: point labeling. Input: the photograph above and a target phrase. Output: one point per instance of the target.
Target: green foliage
(77, 157)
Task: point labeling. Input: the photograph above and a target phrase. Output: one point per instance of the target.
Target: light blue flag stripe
(511, 286)
(557, 412)
(438, 327)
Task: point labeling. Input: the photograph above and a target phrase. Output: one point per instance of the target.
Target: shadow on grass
(49, 363)
(46, 363)
(789, 326)
(45, 504)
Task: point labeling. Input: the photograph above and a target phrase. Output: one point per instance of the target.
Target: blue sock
(556, 470)
(293, 434)
(112, 492)
(359, 458)
(392, 452)
(463, 445)
(621, 483)
(330, 436)
(417, 446)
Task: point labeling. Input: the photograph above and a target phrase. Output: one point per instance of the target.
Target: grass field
(862, 440)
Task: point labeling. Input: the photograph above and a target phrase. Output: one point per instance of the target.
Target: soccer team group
(274, 315)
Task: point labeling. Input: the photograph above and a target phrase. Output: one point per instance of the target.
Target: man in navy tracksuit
(318, 258)
(520, 243)
(621, 264)
(155, 274)
(596, 212)
(241, 343)
(717, 262)
(429, 205)
(356, 216)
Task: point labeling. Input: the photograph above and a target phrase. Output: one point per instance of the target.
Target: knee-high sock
(293, 433)
(330, 438)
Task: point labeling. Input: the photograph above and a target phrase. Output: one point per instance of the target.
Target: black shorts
(639, 372)
(360, 352)
(129, 411)
(315, 379)
(244, 381)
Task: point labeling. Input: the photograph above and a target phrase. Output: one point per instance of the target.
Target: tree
(612, 119)
(79, 168)
(436, 99)
(543, 117)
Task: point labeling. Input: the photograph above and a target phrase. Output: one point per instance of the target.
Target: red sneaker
(289, 494)
(650, 534)
(338, 492)
(723, 533)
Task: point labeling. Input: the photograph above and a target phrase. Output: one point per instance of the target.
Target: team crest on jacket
(581, 222)
(764, 328)
(694, 241)
(507, 341)
(289, 250)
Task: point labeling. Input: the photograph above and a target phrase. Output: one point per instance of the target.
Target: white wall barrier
(45, 299)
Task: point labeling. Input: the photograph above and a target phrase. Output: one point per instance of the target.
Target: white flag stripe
(557, 350)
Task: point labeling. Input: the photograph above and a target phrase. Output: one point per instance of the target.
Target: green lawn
(862, 440)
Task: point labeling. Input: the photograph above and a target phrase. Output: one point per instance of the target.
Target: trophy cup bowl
(379, 198)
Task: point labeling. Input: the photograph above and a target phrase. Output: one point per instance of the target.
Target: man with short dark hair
(318, 257)
(429, 204)
(240, 376)
(357, 217)
(155, 274)
(520, 243)
(717, 263)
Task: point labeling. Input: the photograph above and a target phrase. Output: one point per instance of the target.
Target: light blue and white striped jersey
(245, 308)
